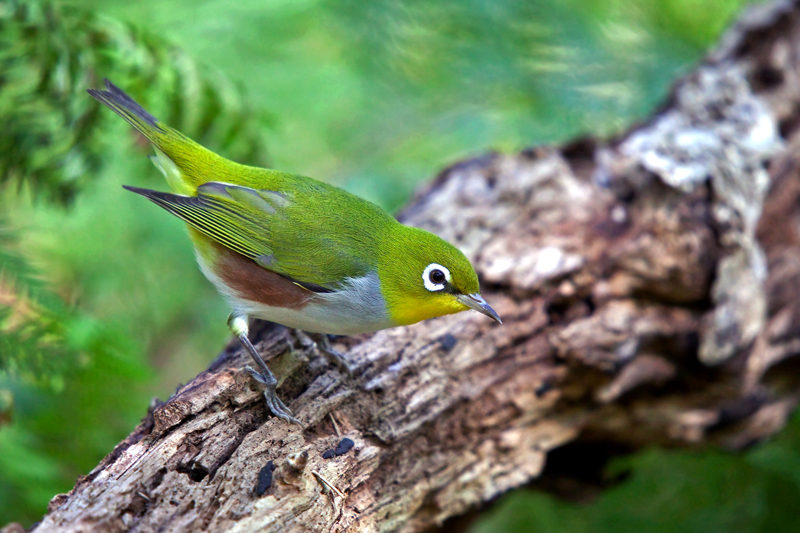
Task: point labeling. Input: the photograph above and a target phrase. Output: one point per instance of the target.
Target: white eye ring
(426, 277)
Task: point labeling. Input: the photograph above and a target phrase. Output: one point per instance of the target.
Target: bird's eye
(435, 277)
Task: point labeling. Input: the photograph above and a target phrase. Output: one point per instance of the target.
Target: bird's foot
(274, 403)
(324, 347)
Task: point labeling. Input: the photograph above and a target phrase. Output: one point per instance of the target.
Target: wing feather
(209, 221)
(262, 226)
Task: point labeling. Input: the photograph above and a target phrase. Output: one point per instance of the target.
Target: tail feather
(126, 107)
(184, 163)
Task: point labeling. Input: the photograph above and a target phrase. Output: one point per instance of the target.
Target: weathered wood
(650, 288)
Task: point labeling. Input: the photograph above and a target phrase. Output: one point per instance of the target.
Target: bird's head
(423, 276)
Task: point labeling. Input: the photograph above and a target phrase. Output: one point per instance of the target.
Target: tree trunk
(649, 289)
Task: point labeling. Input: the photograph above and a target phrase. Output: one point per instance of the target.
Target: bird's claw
(338, 358)
(274, 403)
(324, 347)
(261, 378)
(278, 408)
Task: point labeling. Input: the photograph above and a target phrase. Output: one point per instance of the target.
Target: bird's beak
(476, 302)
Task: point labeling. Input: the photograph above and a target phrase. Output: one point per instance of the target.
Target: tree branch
(650, 291)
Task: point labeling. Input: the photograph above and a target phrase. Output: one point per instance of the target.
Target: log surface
(649, 287)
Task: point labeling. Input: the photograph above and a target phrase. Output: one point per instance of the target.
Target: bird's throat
(410, 310)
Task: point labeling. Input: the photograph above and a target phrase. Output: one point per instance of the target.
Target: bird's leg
(335, 356)
(238, 326)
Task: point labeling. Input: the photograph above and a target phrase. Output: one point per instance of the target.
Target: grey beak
(476, 302)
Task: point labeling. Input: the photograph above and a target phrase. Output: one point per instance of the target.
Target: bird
(297, 251)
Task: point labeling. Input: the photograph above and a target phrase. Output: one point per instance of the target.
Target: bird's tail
(184, 163)
(126, 107)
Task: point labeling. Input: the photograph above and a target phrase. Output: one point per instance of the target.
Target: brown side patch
(255, 283)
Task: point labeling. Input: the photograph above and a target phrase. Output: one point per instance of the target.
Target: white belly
(358, 308)
(316, 318)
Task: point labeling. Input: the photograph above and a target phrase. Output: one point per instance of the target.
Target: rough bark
(649, 286)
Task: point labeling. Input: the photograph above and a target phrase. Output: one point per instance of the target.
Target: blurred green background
(101, 305)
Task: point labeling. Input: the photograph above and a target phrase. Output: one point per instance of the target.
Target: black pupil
(437, 276)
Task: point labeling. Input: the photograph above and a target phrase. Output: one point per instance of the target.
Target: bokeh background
(101, 305)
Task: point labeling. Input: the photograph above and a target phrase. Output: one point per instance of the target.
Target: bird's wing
(263, 226)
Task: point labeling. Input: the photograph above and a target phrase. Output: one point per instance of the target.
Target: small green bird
(297, 251)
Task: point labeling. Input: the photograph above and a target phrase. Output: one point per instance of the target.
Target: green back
(296, 226)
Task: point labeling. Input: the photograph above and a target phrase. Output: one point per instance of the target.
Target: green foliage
(676, 492)
(54, 138)
(27, 330)
(61, 366)
(54, 364)
(373, 95)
